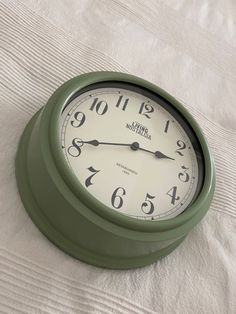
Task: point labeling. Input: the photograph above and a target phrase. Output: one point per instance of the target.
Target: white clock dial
(132, 151)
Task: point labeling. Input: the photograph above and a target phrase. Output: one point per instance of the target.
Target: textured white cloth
(185, 47)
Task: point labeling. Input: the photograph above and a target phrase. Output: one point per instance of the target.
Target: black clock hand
(160, 155)
(96, 143)
(157, 153)
(133, 146)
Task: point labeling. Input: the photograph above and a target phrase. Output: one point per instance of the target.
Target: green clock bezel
(63, 95)
(41, 145)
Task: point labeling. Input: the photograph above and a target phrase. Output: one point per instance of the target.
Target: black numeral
(75, 150)
(181, 146)
(99, 106)
(88, 180)
(172, 193)
(145, 109)
(118, 105)
(80, 118)
(148, 206)
(184, 176)
(117, 200)
(167, 126)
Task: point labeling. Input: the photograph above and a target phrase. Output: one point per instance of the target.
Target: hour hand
(160, 155)
(157, 153)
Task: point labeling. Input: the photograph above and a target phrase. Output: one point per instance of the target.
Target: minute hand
(96, 143)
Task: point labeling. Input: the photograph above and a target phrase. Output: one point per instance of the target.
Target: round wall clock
(114, 170)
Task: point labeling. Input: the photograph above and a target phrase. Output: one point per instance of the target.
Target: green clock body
(114, 171)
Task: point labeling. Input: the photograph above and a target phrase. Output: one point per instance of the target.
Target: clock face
(132, 150)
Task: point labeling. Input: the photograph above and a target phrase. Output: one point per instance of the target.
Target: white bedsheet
(185, 47)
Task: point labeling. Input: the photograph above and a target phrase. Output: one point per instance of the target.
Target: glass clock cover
(132, 150)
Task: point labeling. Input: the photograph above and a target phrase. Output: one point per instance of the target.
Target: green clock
(114, 170)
